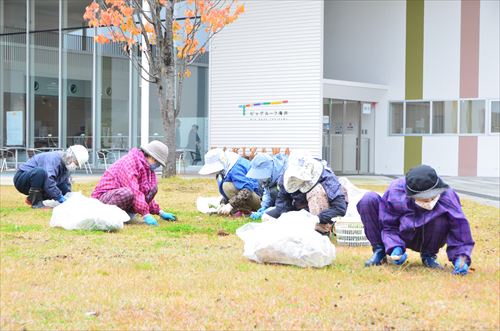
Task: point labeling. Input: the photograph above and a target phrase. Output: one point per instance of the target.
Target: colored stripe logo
(244, 107)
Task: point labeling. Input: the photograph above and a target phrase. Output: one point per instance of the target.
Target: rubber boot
(430, 261)
(378, 256)
(36, 198)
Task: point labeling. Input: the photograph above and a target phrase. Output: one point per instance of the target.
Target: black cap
(423, 182)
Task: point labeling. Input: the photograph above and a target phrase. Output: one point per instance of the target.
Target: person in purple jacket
(46, 175)
(420, 212)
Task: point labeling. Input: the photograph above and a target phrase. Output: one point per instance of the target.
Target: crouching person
(267, 170)
(240, 193)
(130, 183)
(419, 212)
(46, 175)
(308, 184)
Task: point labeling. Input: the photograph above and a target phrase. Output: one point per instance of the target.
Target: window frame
(487, 119)
(430, 118)
(488, 116)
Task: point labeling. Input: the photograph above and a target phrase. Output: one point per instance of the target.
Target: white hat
(213, 162)
(80, 153)
(302, 174)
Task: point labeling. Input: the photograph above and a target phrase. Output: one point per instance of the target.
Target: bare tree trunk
(166, 98)
(166, 89)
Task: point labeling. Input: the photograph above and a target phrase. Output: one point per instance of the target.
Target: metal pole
(59, 82)
(28, 101)
(144, 90)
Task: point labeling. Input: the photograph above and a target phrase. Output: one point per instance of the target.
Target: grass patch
(185, 229)
(143, 266)
(182, 275)
(20, 228)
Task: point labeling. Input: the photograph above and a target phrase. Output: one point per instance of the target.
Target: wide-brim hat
(422, 182)
(213, 162)
(261, 167)
(302, 174)
(157, 150)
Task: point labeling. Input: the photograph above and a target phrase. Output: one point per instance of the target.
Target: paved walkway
(485, 190)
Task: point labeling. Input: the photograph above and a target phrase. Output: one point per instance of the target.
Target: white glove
(226, 209)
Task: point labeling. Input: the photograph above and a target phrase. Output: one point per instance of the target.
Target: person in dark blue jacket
(267, 170)
(240, 193)
(308, 184)
(46, 175)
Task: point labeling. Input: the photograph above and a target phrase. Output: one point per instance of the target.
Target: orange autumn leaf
(149, 28)
(101, 39)
(127, 11)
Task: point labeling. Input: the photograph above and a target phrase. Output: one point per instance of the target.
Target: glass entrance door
(347, 135)
(351, 137)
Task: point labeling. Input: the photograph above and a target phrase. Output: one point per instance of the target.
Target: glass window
(13, 73)
(444, 116)
(417, 117)
(44, 70)
(13, 16)
(396, 117)
(472, 117)
(191, 129)
(113, 97)
(77, 51)
(44, 15)
(495, 116)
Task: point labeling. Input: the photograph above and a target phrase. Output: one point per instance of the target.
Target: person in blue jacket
(46, 175)
(267, 170)
(308, 184)
(239, 192)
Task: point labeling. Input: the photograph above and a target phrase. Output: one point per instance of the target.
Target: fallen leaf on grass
(92, 313)
(222, 233)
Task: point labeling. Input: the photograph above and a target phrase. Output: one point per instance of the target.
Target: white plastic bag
(354, 194)
(208, 205)
(290, 239)
(82, 213)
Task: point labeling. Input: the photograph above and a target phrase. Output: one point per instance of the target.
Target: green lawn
(184, 275)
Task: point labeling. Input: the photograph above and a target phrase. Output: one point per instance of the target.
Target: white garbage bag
(208, 205)
(82, 213)
(354, 194)
(289, 239)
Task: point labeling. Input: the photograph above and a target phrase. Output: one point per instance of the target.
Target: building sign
(367, 108)
(265, 111)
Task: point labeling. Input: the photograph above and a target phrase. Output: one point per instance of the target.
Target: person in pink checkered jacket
(131, 184)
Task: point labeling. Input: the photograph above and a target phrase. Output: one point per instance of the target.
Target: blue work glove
(256, 215)
(61, 198)
(167, 216)
(398, 257)
(150, 220)
(461, 266)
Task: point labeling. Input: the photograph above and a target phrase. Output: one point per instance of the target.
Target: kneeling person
(308, 184)
(419, 212)
(267, 170)
(240, 193)
(46, 175)
(130, 183)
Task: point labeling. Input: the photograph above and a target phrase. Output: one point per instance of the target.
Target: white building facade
(370, 86)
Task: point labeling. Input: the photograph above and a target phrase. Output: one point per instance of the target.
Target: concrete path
(485, 190)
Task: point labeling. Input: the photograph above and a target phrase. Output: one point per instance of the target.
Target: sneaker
(430, 261)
